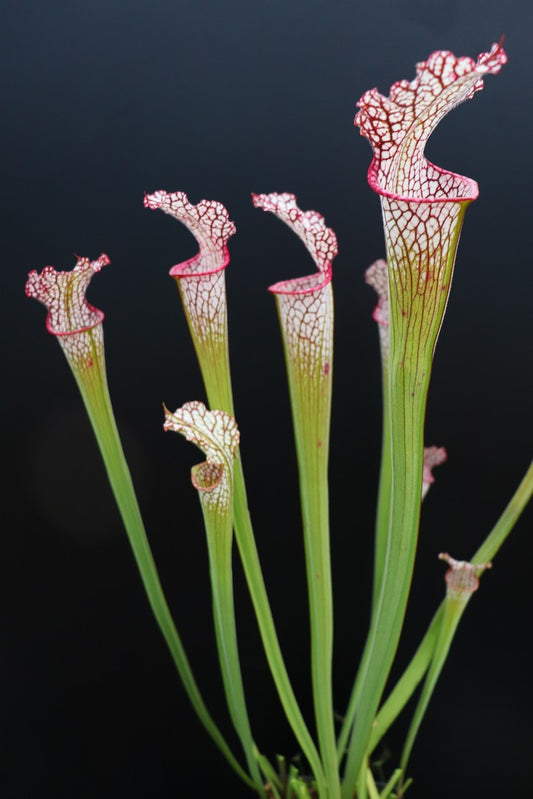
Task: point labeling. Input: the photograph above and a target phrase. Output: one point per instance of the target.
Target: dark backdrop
(105, 100)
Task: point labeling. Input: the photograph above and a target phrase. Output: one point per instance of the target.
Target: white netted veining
(208, 221)
(462, 577)
(216, 434)
(63, 293)
(399, 126)
(307, 322)
(306, 303)
(201, 278)
(377, 276)
(76, 323)
(207, 476)
(422, 205)
(433, 456)
(308, 225)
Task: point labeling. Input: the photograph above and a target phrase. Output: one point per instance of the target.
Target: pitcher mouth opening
(462, 189)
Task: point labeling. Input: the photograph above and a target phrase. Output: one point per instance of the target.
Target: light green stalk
(214, 365)
(376, 276)
(202, 289)
(92, 383)
(450, 618)
(219, 529)
(391, 784)
(97, 402)
(217, 435)
(79, 330)
(457, 598)
(308, 360)
(305, 307)
(256, 585)
(408, 682)
(423, 208)
(415, 316)
(419, 664)
(491, 545)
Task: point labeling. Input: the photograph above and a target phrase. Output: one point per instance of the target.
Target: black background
(102, 101)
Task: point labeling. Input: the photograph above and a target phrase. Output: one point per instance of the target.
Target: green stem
(418, 285)
(310, 392)
(381, 538)
(451, 616)
(256, 585)
(389, 787)
(94, 390)
(314, 497)
(373, 792)
(403, 690)
(408, 393)
(219, 527)
(406, 685)
(362, 783)
(453, 607)
(218, 388)
(274, 781)
(385, 485)
(507, 520)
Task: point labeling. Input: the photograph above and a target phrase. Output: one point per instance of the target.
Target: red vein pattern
(399, 126)
(76, 323)
(462, 577)
(423, 209)
(217, 435)
(201, 278)
(377, 276)
(305, 303)
(433, 456)
(422, 204)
